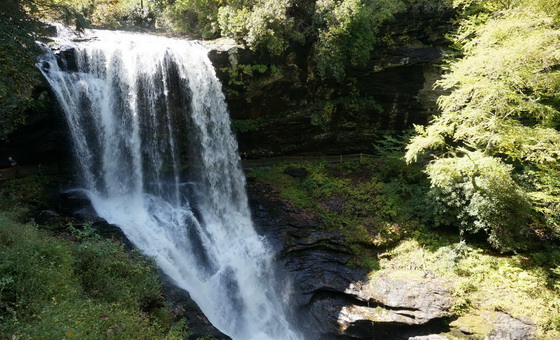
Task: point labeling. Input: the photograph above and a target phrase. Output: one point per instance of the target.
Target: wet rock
(335, 301)
(73, 200)
(183, 306)
(399, 77)
(66, 58)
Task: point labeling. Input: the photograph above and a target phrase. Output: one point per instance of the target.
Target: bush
(34, 270)
(20, 195)
(477, 193)
(52, 288)
(352, 199)
(109, 274)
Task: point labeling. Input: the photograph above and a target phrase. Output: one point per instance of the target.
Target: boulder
(494, 325)
(505, 327)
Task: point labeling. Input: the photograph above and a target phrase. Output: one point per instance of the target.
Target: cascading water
(152, 140)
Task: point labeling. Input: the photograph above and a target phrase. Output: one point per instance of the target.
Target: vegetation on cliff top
(327, 36)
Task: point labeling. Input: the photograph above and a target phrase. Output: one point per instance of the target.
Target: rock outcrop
(494, 325)
(283, 100)
(337, 301)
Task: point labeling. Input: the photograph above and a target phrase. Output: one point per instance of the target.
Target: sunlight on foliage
(501, 116)
(51, 286)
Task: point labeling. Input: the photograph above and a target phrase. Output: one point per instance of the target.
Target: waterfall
(152, 140)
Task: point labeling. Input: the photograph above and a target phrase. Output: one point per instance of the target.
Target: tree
(339, 33)
(499, 123)
(20, 27)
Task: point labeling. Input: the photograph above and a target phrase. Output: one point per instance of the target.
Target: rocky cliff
(280, 107)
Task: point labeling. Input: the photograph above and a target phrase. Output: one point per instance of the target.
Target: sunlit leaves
(503, 105)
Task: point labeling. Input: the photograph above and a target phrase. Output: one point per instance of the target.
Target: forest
(474, 192)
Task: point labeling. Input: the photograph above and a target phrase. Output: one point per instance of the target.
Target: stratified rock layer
(337, 301)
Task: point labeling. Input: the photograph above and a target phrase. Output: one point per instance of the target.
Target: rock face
(507, 328)
(336, 301)
(494, 325)
(405, 300)
(42, 140)
(283, 100)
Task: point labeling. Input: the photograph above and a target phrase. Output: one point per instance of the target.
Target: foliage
(347, 32)
(20, 27)
(196, 17)
(477, 192)
(346, 107)
(120, 14)
(25, 194)
(109, 274)
(338, 33)
(240, 76)
(501, 117)
(246, 125)
(352, 198)
(54, 288)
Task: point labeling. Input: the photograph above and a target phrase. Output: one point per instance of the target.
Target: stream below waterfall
(152, 142)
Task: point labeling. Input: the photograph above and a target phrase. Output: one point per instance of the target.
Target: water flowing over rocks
(156, 157)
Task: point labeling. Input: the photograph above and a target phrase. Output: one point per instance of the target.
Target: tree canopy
(495, 146)
(340, 32)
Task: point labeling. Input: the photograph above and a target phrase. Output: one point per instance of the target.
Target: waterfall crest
(152, 140)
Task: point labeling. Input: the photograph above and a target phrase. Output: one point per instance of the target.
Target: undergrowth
(59, 288)
(23, 195)
(73, 283)
(522, 285)
(380, 207)
(357, 199)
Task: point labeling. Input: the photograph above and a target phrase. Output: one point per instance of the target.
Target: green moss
(25, 194)
(486, 282)
(373, 203)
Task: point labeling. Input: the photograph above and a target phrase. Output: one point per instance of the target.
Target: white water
(136, 108)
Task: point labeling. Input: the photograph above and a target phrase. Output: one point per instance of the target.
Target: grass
(522, 285)
(24, 195)
(350, 198)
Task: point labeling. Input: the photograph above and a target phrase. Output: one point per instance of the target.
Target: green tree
(20, 27)
(335, 33)
(499, 123)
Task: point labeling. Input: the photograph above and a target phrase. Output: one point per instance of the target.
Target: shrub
(52, 288)
(477, 193)
(109, 274)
